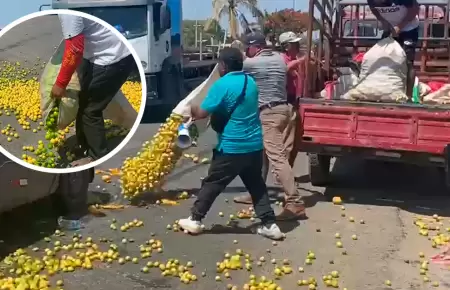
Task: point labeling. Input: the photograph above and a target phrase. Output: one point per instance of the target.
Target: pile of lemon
(133, 92)
(20, 97)
(434, 229)
(34, 270)
(154, 162)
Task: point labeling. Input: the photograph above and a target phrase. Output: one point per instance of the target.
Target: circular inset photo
(71, 92)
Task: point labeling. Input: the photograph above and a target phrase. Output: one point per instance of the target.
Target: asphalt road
(30, 40)
(385, 196)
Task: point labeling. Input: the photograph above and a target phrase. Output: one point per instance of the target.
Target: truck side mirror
(166, 19)
(161, 19)
(44, 6)
(157, 20)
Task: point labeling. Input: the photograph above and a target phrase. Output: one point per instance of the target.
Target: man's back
(102, 46)
(268, 68)
(243, 132)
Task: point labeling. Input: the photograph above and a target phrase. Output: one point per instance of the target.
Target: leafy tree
(284, 20)
(230, 9)
(215, 31)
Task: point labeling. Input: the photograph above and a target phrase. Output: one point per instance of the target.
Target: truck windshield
(370, 28)
(365, 28)
(131, 21)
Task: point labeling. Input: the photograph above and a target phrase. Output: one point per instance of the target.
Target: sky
(192, 9)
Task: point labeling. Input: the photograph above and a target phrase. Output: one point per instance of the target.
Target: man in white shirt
(104, 63)
(401, 21)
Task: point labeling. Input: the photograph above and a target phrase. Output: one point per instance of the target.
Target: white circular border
(141, 109)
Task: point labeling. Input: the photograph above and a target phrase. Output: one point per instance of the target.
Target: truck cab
(147, 25)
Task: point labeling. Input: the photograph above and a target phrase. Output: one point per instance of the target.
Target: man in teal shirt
(239, 151)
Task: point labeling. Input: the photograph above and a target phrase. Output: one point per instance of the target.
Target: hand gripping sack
(383, 74)
(196, 97)
(68, 106)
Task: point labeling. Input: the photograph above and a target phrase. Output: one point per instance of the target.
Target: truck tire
(447, 167)
(319, 169)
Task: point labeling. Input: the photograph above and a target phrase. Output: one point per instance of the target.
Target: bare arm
(413, 11)
(197, 113)
(377, 14)
(295, 63)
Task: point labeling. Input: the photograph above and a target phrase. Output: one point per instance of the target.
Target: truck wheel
(319, 169)
(446, 175)
(447, 167)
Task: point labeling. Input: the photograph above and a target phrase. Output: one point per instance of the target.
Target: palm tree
(230, 9)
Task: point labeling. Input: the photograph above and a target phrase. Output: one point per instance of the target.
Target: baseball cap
(255, 38)
(289, 37)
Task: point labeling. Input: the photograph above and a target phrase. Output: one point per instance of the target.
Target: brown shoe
(243, 199)
(93, 210)
(292, 212)
(247, 199)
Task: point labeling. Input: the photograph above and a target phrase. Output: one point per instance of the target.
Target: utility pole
(293, 4)
(201, 44)
(196, 32)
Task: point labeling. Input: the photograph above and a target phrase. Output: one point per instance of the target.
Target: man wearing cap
(296, 74)
(278, 119)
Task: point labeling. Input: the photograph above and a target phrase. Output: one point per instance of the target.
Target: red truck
(411, 133)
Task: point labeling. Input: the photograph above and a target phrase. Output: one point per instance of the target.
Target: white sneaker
(271, 231)
(191, 226)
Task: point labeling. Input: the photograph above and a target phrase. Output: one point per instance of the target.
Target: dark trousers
(73, 190)
(99, 85)
(224, 169)
(408, 41)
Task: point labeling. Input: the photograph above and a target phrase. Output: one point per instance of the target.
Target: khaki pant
(279, 124)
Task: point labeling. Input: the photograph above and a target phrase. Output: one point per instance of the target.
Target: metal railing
(318, 63)
(41, 8)
(347, 27)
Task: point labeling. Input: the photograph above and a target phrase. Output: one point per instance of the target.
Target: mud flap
(447, 166)
(319, 169)
(73, 190)
(171, 82)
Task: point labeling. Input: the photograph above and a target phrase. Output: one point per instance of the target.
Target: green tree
(230, 9)
(215, 31)
(284, 20)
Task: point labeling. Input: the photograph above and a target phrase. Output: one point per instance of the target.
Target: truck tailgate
(397, 127)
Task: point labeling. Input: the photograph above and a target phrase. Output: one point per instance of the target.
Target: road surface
(386, 197)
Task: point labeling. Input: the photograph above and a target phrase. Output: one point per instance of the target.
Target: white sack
(383, 74)
(424, 90)
(120, 111)
(196, 97)
(347, 80)
(68, 106)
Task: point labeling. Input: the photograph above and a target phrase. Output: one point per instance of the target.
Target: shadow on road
(155, 114)
(152, 197)
(26, 225)
(234, 228)
(415, 189)
(32, 222)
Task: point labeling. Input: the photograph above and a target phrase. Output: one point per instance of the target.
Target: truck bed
(381, 126)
